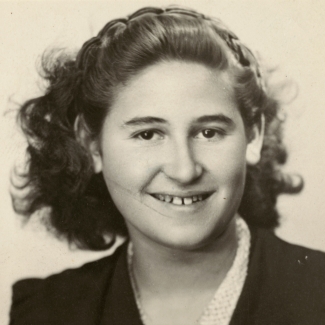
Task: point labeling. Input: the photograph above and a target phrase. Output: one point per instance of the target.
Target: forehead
(175, 89)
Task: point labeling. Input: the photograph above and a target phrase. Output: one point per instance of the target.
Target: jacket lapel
(248, 300)
(120, 307)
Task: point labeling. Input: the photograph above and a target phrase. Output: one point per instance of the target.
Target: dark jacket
(285, 285)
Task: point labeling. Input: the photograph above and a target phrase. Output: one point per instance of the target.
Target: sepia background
(288, 34)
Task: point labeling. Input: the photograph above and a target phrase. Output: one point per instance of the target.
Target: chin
(192, 238)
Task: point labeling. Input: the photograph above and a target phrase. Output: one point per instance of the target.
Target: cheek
(229, 172)
(125, 169)
(227, 162)
(235, 163)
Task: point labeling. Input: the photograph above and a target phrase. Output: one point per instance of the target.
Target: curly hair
(81, 87)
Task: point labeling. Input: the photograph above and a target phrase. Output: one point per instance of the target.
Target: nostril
(182, 172)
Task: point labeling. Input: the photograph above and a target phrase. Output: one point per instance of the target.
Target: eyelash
(216, 134)
(140, 135)
(219, 133)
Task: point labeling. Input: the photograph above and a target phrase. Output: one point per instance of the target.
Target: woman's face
(173, 152)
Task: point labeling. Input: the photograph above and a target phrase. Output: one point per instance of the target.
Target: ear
(83, 137)
(254, 147)
(94, 150)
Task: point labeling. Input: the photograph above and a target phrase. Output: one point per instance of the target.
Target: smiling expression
(173, 151)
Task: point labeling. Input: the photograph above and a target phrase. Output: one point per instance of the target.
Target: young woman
(163, 130)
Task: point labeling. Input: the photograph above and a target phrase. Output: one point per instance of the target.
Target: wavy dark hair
(60, 173)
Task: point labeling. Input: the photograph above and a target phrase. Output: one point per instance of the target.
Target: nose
(181, 164)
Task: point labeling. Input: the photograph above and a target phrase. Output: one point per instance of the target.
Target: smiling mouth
(177, 200)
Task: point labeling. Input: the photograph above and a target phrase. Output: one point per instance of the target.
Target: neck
(163, 271)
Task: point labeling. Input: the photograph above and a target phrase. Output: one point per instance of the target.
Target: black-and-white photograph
(162, 162)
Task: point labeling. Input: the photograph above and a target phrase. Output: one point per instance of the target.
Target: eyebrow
(144, 120)
(137, 121)
(216, 118)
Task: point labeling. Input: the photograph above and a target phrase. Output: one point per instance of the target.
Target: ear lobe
(97, 158)
(83, 137)
(254, 147)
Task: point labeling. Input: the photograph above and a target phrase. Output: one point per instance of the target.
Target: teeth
(188, 201)
(178, 200)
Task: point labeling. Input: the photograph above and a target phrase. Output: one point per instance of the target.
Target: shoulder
(47, 301)
(291, 278)
(296, 259)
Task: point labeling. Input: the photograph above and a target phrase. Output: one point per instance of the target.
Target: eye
(210, 134)
(149, 135)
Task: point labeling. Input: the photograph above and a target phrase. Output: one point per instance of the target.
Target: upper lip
(182, 194)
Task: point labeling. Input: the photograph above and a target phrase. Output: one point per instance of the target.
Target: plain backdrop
(288, 34)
